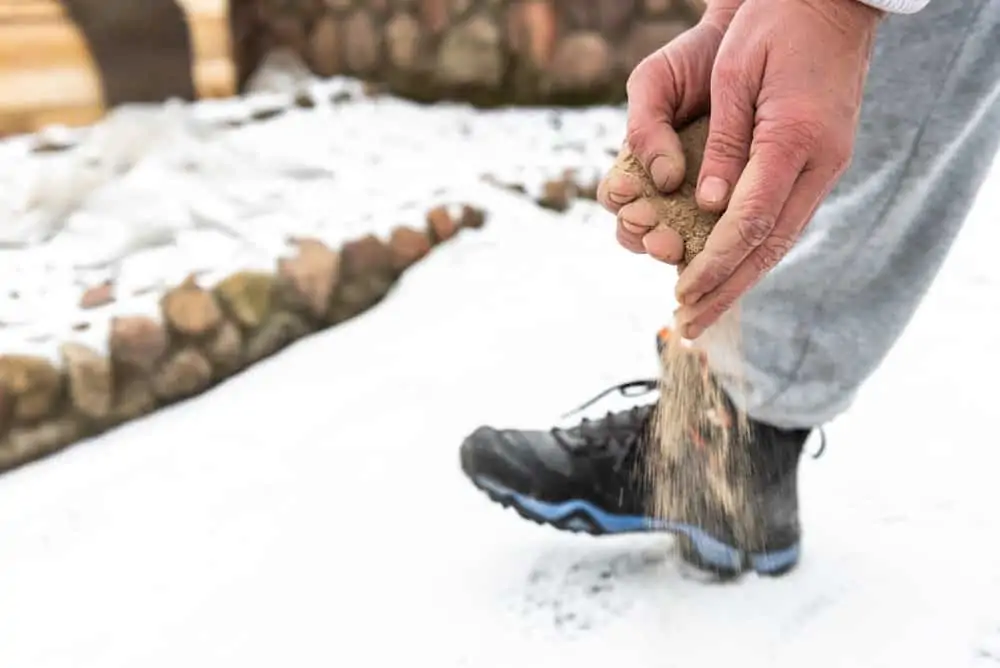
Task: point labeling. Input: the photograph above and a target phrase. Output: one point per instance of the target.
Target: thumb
(730, 133)
(665, 90)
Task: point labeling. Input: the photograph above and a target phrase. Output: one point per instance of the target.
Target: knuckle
(754, 230)
(726, 145)
(770, 253)
(798, 136)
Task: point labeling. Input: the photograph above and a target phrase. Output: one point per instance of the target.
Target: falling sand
(700, 468)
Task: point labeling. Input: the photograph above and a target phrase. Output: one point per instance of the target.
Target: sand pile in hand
(699, 466)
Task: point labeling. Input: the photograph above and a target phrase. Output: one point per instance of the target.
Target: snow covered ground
(311, 511)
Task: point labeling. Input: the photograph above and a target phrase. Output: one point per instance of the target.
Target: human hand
(786, 95)
(786, 85)
(666, 90)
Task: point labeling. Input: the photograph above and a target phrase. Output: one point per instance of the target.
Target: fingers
(652, 103)
(618, 188)
(809, 190)
(666, 89)
(757, 202)
(730, 132)
(638, 231)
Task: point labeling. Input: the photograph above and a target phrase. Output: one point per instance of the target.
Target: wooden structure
(69, 61)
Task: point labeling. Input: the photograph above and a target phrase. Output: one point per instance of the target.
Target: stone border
(206, 336)
(487, 52)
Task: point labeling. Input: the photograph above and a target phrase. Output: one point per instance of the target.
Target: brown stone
(311, 276)
(402, 36)
(368, 274)
(441, 225)
(25, 444)
(324, 47)
(99, 295)
(6, 408)
(33, 384)
(91, 388)
(286, 30)
(531, 27)
(361, 43)
(434, 15)
(470, 54)
(408, 246)
(133, 396)
(557, 194)
(137, 341)
(648, 38)
(191, 310)
(281, 329)
(606, 17)
(582, 62)
(183, 374)
(225, 350)
(248, 296)
(658, 7)
(472, 218)
(679, 210)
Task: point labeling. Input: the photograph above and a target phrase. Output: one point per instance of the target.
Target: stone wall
(203, 336)
(487, 52)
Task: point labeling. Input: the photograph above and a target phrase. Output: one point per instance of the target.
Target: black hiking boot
(592, 478)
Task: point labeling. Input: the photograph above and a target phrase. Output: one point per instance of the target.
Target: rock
(6, 409)
(531, 29)
(646, 38)
(441, 225)
(32, 384)
(402, 41)
(472, 218)
(433, 15)
(137, 341)
(91, 388)
(408, 246)
(324, 47)
(191, 310)
(582, 62)
(658, 7)
(133, 397)
(247, 296)
(367, 275)
(304, 99)
(25, 444)
(280, 330)
(99, 295)
(361, 43)
(183, 374)
(225, 350)
(557, 194)
(309, 278)
(470, 55)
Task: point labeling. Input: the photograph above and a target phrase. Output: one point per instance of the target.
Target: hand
(666, 90)
(786, 94)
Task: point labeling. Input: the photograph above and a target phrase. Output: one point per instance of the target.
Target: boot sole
(698, 548)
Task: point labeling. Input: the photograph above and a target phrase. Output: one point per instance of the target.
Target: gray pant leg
(819, 324)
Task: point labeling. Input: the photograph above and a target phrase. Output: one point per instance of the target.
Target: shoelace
(638, 388)
(625, 389)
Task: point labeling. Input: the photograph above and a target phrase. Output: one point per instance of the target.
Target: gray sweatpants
(823, 320)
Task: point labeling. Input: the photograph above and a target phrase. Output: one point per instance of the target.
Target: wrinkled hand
(785, 95)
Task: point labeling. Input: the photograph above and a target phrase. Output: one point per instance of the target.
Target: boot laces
(620, 432)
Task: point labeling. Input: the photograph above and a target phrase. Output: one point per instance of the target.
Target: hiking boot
(593, 478)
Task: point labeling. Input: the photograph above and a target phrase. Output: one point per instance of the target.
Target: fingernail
(664, 171)
(713, 190)
(691, 331)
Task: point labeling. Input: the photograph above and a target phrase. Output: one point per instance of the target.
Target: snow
(311, 511)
